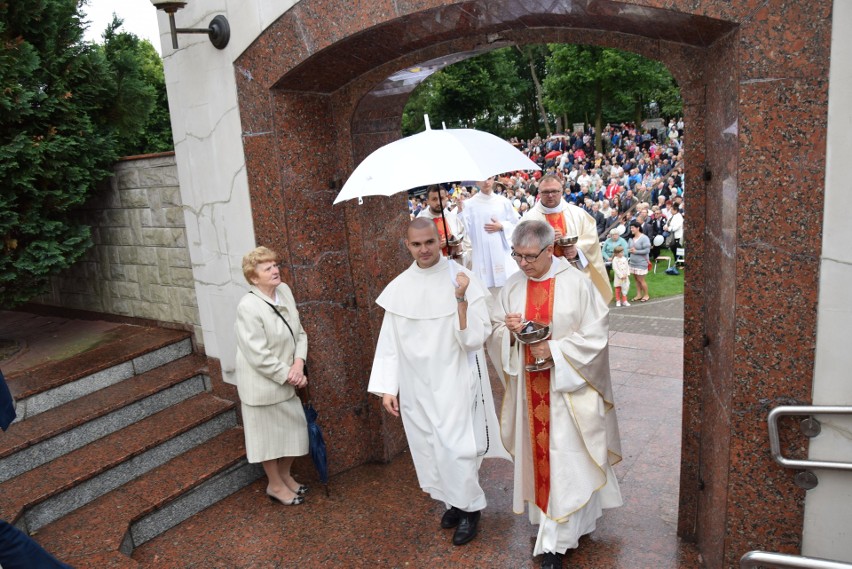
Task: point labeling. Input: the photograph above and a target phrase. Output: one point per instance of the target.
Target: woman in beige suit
(270, 366)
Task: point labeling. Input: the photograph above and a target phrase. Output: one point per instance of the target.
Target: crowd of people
(514, 268)
(639, 177)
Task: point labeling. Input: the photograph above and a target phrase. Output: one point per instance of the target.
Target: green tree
(481, 92)
(600, 83)
(139, 109)
(62, 110)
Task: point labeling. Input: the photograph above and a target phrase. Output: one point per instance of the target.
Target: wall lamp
(219, 30)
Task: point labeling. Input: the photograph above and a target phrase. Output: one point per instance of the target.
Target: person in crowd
(429, 369)
(639, 247)
(675, 227)
(628, 203)
(489, 220)
(608, 247)
(600, 220)
(568, 221)
(454, 230)
(566, 479)
(272, 349)
(621, 276)
(658, 225)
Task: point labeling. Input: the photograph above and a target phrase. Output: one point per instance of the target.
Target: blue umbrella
(316, 441)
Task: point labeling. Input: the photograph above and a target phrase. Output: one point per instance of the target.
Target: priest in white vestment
(564, 452)
(569, 220)
(429, 367)
(454, 227)
(489, 219)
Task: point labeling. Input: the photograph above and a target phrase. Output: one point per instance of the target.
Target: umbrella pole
(444, 221)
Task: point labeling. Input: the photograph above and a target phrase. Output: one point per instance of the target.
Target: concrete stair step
(48, 492)
(132, 350)
(31, 443)
(104, 532)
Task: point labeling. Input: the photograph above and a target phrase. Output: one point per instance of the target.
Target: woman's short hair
(253, 258)
(533, 233)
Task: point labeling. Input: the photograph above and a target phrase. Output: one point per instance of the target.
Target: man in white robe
(435, 200)
(489, 219)
(566, 477)
(429, 352)
(576, 222)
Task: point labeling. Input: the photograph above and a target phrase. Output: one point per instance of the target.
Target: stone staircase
(116, 445)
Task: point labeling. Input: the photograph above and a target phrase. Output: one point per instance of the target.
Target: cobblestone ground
(657, 317)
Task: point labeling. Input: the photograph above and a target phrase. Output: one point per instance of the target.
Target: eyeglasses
(527, 258)
(550, 192)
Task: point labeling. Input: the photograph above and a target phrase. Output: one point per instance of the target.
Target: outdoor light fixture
(219, 30)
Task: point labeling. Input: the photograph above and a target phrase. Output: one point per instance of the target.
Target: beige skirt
(273, 431)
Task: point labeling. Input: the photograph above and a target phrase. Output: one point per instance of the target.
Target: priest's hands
(514, 322)
(391, 404)
(541, 350)
(464, 282)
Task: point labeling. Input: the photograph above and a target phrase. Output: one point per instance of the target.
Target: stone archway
(308, 116)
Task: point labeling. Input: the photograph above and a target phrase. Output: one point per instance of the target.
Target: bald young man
(429, 368)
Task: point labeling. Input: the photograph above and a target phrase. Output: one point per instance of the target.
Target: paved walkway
(376, 516)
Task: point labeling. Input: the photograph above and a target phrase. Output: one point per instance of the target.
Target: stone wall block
(178, 258)
(158, 177)
(154, 293)
(132, 198)
(173, 217)
(126, 290)
(182, 277)
(115, 218)
(140, 218)
(170, 197)
(164, 237)
(127, 178)
(148, 274)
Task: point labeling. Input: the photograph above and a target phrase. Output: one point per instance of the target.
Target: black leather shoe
(551, 561)
(451, 518)
(466, 530)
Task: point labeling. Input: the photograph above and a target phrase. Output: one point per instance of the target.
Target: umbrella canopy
(433, 157)
(552, 154)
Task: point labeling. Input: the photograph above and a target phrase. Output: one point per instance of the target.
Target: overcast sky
(140, 18)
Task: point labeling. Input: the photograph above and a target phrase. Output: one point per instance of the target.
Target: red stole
(539, 308)
(439, 223)
(557, 222)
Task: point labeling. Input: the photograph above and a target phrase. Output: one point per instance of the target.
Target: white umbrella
(432, 157)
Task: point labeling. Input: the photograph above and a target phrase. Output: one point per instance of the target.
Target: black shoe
(551, 561)
(451, 518)
(466, 530)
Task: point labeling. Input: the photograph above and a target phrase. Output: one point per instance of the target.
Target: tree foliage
(482, 92)
(60, 129)
(496, 91)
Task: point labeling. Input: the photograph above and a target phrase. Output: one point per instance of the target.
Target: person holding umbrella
(270, 366)
(429, 368)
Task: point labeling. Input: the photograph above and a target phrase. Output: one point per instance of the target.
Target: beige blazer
(265, 348)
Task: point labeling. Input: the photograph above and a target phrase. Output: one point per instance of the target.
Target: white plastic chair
(666, 258)
(680, 254)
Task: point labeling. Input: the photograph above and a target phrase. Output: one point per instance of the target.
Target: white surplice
(457, 228)
(584, 438)
(445, 398)
(581, 224)
(491, 260)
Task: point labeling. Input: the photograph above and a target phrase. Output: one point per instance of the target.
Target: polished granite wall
(754, 80)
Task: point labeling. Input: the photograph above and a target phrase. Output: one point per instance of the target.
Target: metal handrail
(784, 561)
(775, 441)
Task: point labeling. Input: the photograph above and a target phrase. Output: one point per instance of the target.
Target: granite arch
(308, 117)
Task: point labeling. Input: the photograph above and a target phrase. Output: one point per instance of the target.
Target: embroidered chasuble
(557, 222)
(444, 232)
(539, 309)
